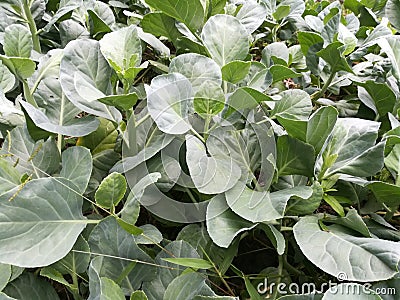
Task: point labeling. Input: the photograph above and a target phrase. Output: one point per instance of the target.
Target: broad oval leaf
(73, 127)
(294, 104)
(85, 77)
(190, 12)
(77, 165)
(197, 68)
(223, 225)
(252, 15)
(262, 206)
(17, 41)
(41, 222)
(111, 190)
(336, 252)
(349, 148)
(29, 286)
(226, 39)
(123, 50)
(210, 175)
(168, 99)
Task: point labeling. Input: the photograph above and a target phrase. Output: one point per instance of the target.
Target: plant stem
(27, 94)
(32, 26)
(59, 142)
(198, 135)
(75, 282)
(319, 94)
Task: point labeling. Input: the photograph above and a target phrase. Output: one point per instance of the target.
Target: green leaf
(36, 159)
(294, 105)
(130, 212)
(382, 96)
(187, 286)
(168, 100)
(262, 206)
(335, 204)
(352, 291)
(111, 190)
(336, 252)
(132, 229)
(210, 175)
(333, 56)
(246, 98)
(235, 71)
(226, 39)
(102, 287)
(392, 12)
(252, 14)
(110, 290)
(97, 16)
(156, 288)
(195, 263)
(7, 79)
(294, 157)
(45, 215)
(197, 68)
(122, 102)
(75, 262)
(77, 165)
(280, 73)
(209, 99)
(138, 295)
(29, 286)
(123, 50)
(21, 67)
(198, 237)
(299, 206)
(158, 142)
(391, 45)
(122, 257)
(385, 193)
(320, 126)
(65, 8)
(102, 139)
(9, 176)
(64, 123)
(150, 235)
(275, 236)
(5, 297)
(190, 12)
(392, 161)
(352, 220)
(252, 290)
(5, 275)
(311, 43)
(85, 78)
(282, 11)
(17, 41)
(160, 24)
(223, 225)
(351, 149)
(56, 276)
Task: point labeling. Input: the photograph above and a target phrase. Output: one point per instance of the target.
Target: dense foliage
(199, 149)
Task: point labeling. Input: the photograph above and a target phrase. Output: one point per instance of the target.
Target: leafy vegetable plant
(199, 149)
